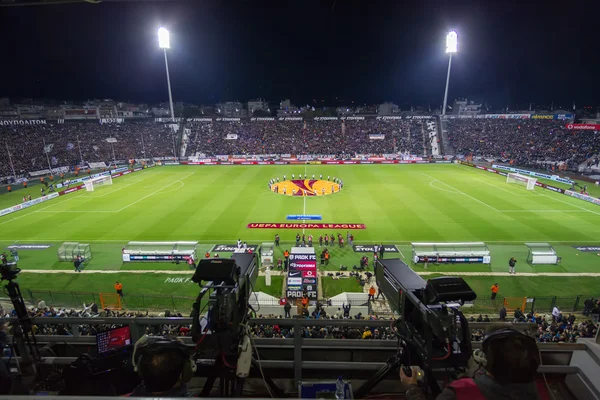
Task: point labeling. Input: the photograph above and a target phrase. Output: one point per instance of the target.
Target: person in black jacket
(511, 265)
(381, 251)
(346, 310)
(287, 309)
(510, 372)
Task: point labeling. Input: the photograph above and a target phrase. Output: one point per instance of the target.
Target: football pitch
(398, 204)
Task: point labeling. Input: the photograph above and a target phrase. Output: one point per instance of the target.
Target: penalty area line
(156, 191)
(463, 193)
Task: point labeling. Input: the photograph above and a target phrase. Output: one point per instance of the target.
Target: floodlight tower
(165, 43)
(451, 48)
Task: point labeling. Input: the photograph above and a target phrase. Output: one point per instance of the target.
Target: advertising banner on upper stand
(584, 127)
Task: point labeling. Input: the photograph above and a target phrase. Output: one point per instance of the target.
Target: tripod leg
(380, 375)
(210, 380)
(275, 390)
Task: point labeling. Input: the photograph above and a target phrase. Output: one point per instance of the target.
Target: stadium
(348, 251)
(397, 199)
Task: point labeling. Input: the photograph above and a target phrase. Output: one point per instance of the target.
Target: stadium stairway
(378, 307)
(446, 148)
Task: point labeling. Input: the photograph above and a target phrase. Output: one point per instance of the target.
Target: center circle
(305, 187)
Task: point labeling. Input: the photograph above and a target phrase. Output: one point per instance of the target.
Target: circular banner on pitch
(305, 187)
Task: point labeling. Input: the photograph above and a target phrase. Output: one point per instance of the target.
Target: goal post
(523, 180)
(92, 183)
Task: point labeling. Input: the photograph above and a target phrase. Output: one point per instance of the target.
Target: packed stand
(137, 139)
(323, 137)
(41, 310)
(527, 142)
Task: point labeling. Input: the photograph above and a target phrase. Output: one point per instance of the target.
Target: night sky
(338, 51)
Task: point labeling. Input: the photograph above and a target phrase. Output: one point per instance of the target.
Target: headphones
(484, 358)
(148, 346)
(503, 334)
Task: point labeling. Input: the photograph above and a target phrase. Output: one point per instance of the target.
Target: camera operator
(506, 369)
(164, 366)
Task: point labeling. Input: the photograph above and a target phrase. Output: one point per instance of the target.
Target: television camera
(432, 332)
(221, 332)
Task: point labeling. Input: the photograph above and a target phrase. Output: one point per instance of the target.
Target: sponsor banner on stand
(115, 171)
(29, 246)
(279, 225)
(294, 281)
(112, 120)
(584, 127)
(297, 294)
(168, 119)
(309, 274)
(309, 281)
(585, 249)
(453, 260)
(295, 274)
(71, 190)
(27, 204)
(11, 122)
(555, 178)
(377, 136)
(303, 262)
(389, 248)
(58, 170)
(230, 248)
(294, 287)
(583, 197)
(543, 185)
(198, 119)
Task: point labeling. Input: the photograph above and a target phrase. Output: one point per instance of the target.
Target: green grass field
(213, 205)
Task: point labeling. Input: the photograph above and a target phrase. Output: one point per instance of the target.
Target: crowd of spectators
(527, 142)
(325, 137)
(555, 327)
(138, 139)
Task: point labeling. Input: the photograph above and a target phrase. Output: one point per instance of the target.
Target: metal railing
(540, 304)
(133, 301)
(182, 304)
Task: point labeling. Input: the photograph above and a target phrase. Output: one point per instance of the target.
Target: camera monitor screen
(113, 339)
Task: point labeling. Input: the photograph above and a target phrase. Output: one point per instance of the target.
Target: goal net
(519, 179)
(93, 183)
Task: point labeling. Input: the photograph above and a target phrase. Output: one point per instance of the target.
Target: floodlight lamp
(163, 38)
(452, 42)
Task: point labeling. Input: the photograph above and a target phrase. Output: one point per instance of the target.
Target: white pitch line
(38, 210)
(540, 211)
(463, 193)
(437, 188)
(111, 271)
(553, 274)
(156, 191)
(76, 211)
(512, 193)
(570, 204)
(304, 211)
(213, 241)
(322, 273)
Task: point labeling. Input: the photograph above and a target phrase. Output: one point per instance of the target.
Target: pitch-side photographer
(505, 369)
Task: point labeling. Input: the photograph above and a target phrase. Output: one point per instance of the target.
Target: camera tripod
(24, 338)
